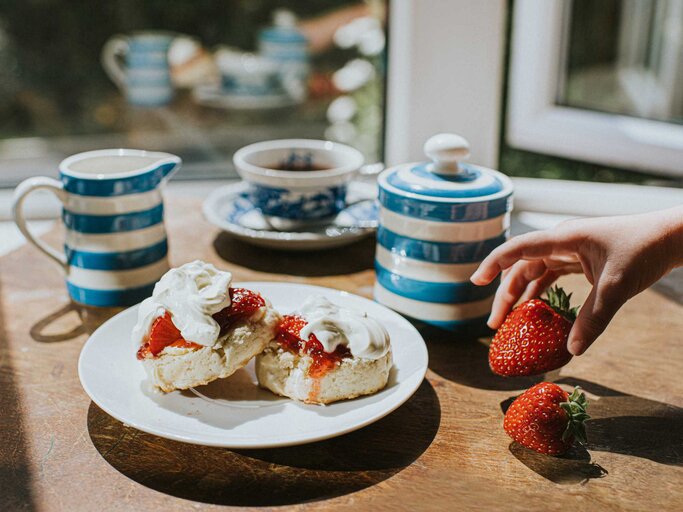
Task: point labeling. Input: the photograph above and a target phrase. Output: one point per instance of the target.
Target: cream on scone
(195, 328)
(324, 353)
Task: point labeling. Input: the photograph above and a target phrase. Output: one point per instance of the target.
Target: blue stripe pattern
(109, 298)
(438, 252)
(113, 223)
(478, 184)
(286, 36)
(426, 291)
(151, 247)
(117, 260)
(118, 187)
(474, 326)
(429, 192)
(444, 211)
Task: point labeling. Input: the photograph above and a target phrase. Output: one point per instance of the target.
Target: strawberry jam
(288, 336)
(243, 304)
(164, 333)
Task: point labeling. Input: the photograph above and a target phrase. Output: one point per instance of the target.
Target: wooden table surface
(445, 449)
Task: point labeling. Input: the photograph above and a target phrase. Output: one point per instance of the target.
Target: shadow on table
(15, 470)
(463, 358)
(348, 259)
(69, 322)
(620, 423)
(276, 476)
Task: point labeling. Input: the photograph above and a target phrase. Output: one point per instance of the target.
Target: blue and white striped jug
(438, 220)
(115, 248)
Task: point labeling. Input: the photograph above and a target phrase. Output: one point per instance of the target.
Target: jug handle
(20, 194)
(112, 51)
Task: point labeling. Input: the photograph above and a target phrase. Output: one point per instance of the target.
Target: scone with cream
(195, 328)
(324, 353)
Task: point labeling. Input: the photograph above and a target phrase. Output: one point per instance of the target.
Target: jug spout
(168, 166)
(112, 172)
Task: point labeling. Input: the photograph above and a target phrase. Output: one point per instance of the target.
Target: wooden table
(443, 450)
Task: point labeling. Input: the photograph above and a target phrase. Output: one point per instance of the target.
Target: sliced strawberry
(163, 333)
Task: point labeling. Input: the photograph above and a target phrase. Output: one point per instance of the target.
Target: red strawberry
(162, 334)
(533, 337)
(546, 419)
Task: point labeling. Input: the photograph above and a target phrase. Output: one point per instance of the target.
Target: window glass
(199, 79)
(622, 57)
(625, 57)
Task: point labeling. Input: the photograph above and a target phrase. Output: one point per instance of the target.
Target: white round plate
(229, 209)
(234, 412)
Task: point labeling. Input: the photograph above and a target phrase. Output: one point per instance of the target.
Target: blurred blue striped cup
(138, 65)
(115, 248)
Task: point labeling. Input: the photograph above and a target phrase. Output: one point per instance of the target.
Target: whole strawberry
(533, 337)
(546, 419)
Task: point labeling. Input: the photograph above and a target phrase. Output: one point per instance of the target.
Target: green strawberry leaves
(575, 407)
(560, 302)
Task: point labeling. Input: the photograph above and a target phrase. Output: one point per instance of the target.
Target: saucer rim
(211, 208)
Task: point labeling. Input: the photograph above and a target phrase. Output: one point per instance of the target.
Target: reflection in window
(625, 57)
(200, 79)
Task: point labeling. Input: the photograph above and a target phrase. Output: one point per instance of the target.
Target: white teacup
(295, 182)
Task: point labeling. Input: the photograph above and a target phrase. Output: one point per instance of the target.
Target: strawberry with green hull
(533, 337)
(545, 418)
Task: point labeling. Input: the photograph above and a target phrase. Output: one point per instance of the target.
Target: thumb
(600, 306)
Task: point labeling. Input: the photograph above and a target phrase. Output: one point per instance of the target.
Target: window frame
(438, 81)
(536, 123)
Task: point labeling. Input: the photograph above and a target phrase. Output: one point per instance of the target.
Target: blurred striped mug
(138, 65)
(115, 248)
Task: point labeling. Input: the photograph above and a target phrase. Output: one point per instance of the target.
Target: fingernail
(574, 347)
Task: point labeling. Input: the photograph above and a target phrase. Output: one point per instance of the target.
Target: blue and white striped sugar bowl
(438, 220)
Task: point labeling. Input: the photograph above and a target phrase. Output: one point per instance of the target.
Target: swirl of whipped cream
(333, 326)
(192, 293)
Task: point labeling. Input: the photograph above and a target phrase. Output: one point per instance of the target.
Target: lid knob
(446, 150)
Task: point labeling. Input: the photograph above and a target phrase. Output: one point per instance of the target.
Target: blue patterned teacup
(115, 247)
(295, 182)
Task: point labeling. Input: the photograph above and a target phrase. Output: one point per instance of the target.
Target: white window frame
(445, 74)
(536, 123)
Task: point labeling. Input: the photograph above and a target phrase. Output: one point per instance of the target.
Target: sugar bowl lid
(447, 178)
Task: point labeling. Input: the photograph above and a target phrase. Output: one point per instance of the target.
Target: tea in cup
(295, 182)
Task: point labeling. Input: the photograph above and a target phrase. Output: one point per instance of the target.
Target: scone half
(289, 374)
(186, 367)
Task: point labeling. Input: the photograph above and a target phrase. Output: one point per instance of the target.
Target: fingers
(537, 287)
(604, 300)
(514, 283)
(530, 246)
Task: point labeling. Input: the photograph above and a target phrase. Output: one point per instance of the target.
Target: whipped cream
(333, 326)
(192, 293)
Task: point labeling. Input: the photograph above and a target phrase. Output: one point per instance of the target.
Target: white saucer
(234, 412)
(228, 208)
(213, 96)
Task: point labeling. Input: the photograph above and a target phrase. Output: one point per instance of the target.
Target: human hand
(620, 256)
